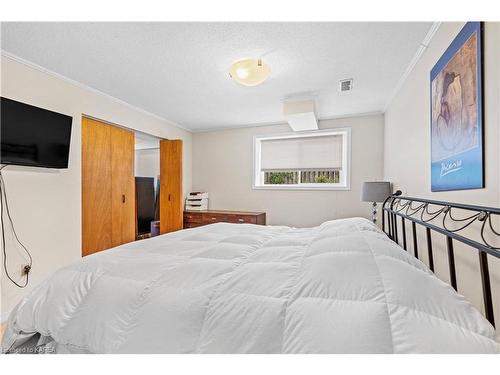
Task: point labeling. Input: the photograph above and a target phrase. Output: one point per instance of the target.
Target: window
(306, 160)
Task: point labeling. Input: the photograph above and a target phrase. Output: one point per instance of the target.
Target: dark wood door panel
(108, 189)
(171, 216)
(122, 186)
(96, 186)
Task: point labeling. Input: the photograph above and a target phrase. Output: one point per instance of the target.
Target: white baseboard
(4, 316)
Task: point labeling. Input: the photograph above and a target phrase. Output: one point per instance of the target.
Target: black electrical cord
(4, 202)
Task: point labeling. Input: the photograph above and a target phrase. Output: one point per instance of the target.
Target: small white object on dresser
(197, 201)
(197, 195)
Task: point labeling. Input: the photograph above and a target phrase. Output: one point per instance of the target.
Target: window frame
(257, 174)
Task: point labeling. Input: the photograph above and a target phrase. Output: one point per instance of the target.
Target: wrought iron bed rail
(430, 213)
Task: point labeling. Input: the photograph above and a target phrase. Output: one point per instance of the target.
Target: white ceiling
(179, 71)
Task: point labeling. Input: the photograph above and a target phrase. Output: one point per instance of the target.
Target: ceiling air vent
(345, 85)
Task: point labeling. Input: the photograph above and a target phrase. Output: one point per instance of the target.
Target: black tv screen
(33, 136)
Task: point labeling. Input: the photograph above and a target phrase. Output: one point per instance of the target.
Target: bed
(341, 287)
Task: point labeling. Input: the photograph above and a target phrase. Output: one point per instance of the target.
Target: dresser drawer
(209, 218)
(190, 217)
(249, 219)
(192, 225)
(193, 219)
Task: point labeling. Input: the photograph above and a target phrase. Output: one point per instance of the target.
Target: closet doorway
(158, 181)
(147, 185)
(128, 178)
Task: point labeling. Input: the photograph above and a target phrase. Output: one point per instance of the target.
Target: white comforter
(342, 287)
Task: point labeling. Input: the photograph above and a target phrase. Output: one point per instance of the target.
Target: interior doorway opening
(147, 185)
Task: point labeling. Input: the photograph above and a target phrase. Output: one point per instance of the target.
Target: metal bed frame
(397, 205)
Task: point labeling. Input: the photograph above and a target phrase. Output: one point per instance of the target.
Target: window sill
(291, 187)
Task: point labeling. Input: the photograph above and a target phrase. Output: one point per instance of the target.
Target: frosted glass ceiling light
(249, 72)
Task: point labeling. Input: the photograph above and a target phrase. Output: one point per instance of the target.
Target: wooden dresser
(194, 219)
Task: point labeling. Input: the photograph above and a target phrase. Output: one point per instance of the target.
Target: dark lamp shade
(375, 191)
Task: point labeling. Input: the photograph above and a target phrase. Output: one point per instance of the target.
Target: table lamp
(375, 192)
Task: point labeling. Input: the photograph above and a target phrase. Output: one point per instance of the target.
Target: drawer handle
(241, 220)
(214, 218)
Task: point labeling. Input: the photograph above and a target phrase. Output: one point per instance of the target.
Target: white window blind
(305, 153)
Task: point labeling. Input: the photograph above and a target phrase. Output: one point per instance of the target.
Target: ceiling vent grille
(345, 85)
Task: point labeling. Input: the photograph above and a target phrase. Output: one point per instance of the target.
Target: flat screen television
(33, 136)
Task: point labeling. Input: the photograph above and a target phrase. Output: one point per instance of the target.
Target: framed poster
(457, 158)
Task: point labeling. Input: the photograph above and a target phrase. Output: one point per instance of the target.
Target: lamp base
(374, 212)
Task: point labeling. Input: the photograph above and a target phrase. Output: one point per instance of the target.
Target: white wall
(46, 204)
(223, 160)
(407, 151)
(147, 163)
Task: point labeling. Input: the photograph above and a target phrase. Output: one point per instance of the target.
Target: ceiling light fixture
(249, 72)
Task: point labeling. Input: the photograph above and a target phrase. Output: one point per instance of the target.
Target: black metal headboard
(437, 216)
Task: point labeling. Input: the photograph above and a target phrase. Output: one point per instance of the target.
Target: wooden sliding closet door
(122, 186)
(108, 186)
(96, 186)
(171, 214)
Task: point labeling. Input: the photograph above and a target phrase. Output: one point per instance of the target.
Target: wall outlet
(397, 186)
(25, 269)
